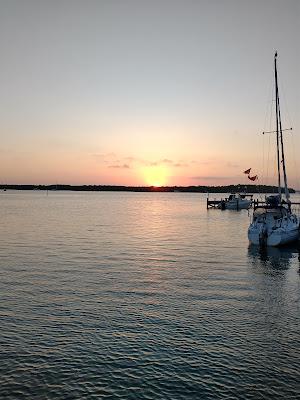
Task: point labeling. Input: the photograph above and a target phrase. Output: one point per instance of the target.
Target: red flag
(247, 171)
(253, 178)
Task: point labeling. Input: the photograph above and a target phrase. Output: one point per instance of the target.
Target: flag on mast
(247, 171)
(253, 178)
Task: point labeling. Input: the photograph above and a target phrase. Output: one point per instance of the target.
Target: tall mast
(277, 125)
(287, 194)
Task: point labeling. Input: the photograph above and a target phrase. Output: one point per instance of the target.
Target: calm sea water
(142, 296)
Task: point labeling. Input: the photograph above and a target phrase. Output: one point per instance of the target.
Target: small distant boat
(236, 201)
(273, 223)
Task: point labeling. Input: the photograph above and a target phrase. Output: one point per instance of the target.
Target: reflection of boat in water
(273, 223)
(236, 201)
(279, 258)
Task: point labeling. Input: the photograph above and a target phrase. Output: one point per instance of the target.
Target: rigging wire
(270, 112)
(267, 124)
(290, 123)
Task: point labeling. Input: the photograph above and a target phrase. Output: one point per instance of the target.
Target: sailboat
(273, 223)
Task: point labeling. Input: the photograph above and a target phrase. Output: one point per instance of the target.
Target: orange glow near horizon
(155, 175)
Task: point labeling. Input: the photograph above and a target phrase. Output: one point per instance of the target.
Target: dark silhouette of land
(252, 189)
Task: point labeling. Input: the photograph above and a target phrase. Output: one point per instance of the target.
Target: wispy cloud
(210, 178)
(230, 165)
(176, 164)
(118, 166)
(115, 161)
(131, 159)
(103, 157)
(205, 162)
(180, 165)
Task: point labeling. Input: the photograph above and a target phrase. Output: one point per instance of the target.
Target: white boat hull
(276, 237)
(238, 205)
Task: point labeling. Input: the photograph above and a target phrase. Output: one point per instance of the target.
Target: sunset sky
(136, 92)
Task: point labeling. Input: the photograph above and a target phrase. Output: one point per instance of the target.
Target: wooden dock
(213, 203)
(254, 203)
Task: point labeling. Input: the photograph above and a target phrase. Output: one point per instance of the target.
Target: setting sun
(155, 175)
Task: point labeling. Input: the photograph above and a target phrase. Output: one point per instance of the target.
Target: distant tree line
(114, 188)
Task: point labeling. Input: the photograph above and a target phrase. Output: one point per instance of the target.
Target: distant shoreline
(252, 189)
